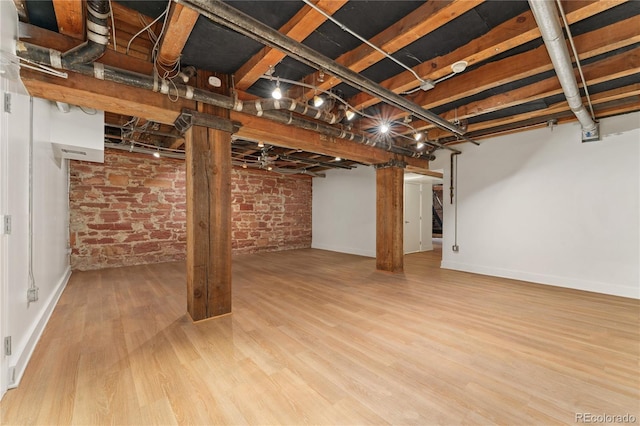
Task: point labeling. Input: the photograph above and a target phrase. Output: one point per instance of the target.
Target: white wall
(26, 321)
(541, 206)
(344, 211)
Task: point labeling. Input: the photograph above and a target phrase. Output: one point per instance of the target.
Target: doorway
(417, 216)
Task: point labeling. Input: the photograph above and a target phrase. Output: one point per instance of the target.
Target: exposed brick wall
(270, 212)
(132, 210)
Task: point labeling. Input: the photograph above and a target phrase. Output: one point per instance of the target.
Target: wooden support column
(389, 217)
(208, 180)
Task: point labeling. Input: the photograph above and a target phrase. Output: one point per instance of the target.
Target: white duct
(546, 16)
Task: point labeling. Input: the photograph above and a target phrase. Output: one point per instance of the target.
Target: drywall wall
(131, 210)
(344, 211)
(49, 267)
(543, 207)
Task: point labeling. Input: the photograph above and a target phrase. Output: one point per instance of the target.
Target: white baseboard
(553, 280)
(347, 250)
(35, 332)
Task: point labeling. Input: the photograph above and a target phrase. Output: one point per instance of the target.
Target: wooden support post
(389, 217)
(208, 158)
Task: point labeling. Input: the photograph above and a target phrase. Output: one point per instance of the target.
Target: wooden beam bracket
(189, 118)
(391, 163)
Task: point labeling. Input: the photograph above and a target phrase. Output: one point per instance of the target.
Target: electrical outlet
(32, 294)
(7, 345)
(6, 224)
(455, 248)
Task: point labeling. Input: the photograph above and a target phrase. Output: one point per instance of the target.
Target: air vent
(71, 151)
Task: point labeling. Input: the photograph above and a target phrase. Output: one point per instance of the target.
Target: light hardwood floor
(321, 338)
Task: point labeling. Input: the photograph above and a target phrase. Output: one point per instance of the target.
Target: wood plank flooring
(321, 338)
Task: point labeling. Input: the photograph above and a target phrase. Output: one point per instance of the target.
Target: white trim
(552, 280)
(36, 331)
(347, 250)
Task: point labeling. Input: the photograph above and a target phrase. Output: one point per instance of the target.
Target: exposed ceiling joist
(298, 28)
(520, 66)
(508, 35)
(628, 97)
(623, 65)
(178, 28)
(70, 16)
(425, 19)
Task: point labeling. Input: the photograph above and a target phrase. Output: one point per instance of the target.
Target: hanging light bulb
(244, 165)
(384, 128)
(338, 159)
(260, 144)
(349, 114)
(420, 145)
(277, 93)
(318, 101)
(417, 136)
(269, 168)
(156, 154)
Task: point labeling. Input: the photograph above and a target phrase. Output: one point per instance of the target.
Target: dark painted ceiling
(215, 48)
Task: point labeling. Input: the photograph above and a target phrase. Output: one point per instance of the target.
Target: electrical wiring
(362, 39)
(345, 103)
(113, 26)
(440, 80)
(144, 29)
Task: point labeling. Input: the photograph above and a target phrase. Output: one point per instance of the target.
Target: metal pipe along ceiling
(223, 14)
(546, 16)
(97, 36)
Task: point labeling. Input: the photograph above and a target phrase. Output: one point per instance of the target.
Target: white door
(411, 218)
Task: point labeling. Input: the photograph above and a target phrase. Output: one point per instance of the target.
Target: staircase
(437, 213)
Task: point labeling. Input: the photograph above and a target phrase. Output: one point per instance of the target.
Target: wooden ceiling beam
(622, 65)
(521, 66)
(425, 19)
(179, 26)
(256, 128)
(103, 95)
(52, 40)
(629, 97)
(298, 28)
(506, 36)
(70, 16)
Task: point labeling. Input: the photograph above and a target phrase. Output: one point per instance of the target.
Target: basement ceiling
(508, 85)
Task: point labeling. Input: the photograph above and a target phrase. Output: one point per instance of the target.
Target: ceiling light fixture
(349, 114)
(420, 145)
(277, 93)
(260, 144)
(384, 128)
(318, 101)
(417, 136)
(156, 154)
(458, 67)
(338, 159)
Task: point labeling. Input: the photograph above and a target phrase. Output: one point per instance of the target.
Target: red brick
(118, 180)
(146, 247)
(158, 183)
(154, 199)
